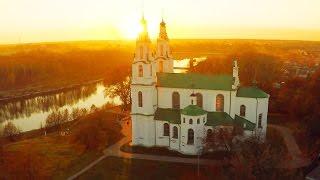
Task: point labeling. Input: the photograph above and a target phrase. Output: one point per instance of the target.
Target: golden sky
(67, 20)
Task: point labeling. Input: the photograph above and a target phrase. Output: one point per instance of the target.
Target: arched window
(243, 110)
(198, 121)
(260, 121)
(140, 69)
(140, 98)
(190, 121)
(220, 103)
(141, 52)
(175, 100)
(175, 132)
(166, 129)
(209, 133)
(184, 120)
(190, 136)
(160, 66)
(161, 50)
(199, 100)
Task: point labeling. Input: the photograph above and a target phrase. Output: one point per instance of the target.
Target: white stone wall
(254, 106)
(148, 76)
(149, 99)
(175, 143)
(263, 104)
(146, 51)
(199, 134)
(251, 104)
(143, 130)
(161, 139)
(209, 98)
(248, 134)
(167, 65)
(234, 108)
(164, 44)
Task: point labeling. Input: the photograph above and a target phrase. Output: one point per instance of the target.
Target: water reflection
(182, 66)
(25, 108)
(30, 113)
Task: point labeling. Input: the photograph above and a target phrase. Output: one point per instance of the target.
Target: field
(53, 156)
(118, 168)
(50, 154)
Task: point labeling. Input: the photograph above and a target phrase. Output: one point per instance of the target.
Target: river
(31, 113)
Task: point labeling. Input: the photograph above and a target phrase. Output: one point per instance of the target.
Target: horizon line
(154, 39)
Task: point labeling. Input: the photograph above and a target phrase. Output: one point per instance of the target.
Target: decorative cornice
(145, 84)
(144, 62)
(142, 114)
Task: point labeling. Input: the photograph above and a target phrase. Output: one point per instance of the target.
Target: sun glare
(129, 29)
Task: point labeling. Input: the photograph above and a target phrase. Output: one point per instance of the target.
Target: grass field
(57, 156)
(118, 168)
(54, 156)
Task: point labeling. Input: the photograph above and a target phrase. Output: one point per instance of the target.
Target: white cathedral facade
(178, 110)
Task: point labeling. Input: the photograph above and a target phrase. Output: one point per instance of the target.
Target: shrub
(96, 130)
(10, 130)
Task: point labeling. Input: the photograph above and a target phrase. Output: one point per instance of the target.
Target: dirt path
(296, 159)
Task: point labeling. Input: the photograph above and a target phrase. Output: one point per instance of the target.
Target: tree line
(48, 68)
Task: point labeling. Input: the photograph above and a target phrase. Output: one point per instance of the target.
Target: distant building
(178, 110)
(293, 69)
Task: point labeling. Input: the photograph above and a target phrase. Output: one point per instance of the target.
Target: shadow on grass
(163, 151)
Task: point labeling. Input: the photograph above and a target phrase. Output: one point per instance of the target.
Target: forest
(43, 66)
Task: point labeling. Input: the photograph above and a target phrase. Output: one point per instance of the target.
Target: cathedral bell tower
(164, 61)
(143, 91)
(142, 70)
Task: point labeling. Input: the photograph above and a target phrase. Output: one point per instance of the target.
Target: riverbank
(25, 93)
(63, 155)
(37, 132)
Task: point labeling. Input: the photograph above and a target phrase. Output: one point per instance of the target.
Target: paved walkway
(296, 159)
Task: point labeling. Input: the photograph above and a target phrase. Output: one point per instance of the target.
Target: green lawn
(77, 165)
(57, 157)
(119, 168)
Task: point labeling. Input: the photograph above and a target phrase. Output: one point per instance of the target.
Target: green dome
(193, 110)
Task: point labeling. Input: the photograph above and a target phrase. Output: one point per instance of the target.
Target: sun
(130, 29)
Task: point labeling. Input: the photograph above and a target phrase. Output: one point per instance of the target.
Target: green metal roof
(213, 118)
(251, 92)
(248, 124)
(170, 115)
(218, 118)
(195, 81)
(193, 110)
(173, 116)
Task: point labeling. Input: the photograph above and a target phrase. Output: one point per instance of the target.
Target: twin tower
(148, 61)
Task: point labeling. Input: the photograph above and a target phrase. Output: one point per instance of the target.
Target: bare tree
(121, 90)
(219, 139)
(10, 130)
